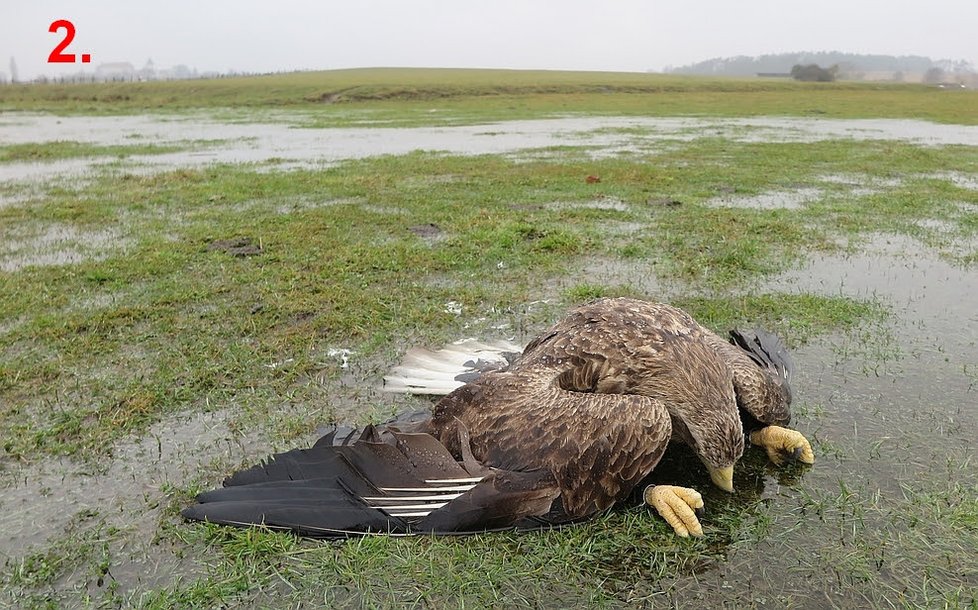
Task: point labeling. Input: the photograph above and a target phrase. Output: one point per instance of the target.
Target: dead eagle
(567, 429)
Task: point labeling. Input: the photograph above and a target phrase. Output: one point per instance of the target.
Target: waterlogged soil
(890, 408)
(41, 503)
(283, 145)
(892, 412)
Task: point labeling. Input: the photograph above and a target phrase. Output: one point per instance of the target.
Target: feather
(501, 500)
(386, 481)
(439, 372)
(766, 349)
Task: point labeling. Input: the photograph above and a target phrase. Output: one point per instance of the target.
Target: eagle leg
(677, 506)
(783, 443)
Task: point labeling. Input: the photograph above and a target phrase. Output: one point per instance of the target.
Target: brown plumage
(549, 408)
(566, 430)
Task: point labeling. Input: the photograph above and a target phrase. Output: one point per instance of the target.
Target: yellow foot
(782, 443)
(676, 505)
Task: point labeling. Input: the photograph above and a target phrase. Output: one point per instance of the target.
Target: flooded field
(202, 282)
(285, 145)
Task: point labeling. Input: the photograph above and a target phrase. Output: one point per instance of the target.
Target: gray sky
(628, 35)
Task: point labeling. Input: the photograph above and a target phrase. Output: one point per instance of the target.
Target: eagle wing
(598, 447)
(761, 369)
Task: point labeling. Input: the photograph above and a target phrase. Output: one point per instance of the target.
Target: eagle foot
(678, 506)
(783, 444)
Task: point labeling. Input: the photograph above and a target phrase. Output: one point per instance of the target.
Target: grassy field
(439, 96)
(158, 331)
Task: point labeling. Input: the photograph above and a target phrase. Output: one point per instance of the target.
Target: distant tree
(13, 70)
(934, 76)
(814, 73)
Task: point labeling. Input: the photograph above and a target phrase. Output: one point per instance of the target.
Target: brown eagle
(553, 435)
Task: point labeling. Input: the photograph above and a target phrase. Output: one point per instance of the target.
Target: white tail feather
(435, 372)
(441, 492)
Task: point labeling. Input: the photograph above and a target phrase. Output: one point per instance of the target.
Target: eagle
(555, 434)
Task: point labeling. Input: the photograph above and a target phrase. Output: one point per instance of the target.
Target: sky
(615, 35)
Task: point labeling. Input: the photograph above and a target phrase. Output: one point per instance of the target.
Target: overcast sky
(627, 35)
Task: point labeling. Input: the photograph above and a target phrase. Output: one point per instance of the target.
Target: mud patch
(429, 232)
(238, 247)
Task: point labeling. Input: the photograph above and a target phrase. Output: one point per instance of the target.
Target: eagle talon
(783, 443)
(679, 506)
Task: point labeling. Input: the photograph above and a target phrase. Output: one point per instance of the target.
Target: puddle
(896, 422)
(14, 200)
(771, 200)
(965, 181)
(601, 203)
(861, 185)
(56, 244)
(129, 495)
(285, 146)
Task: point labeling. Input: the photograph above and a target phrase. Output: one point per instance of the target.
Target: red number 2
(56, 55)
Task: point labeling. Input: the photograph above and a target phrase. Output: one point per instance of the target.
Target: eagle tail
(766, 349)
(377, 481)
(439, 372)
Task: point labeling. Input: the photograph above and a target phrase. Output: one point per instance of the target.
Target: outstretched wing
(385, 482)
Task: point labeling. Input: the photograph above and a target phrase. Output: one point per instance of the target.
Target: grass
(405, 96)
(159, 331)
(196, 322)
(66, 149)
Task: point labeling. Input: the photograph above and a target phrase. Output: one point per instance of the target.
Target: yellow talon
(677, 506)
(783, 442)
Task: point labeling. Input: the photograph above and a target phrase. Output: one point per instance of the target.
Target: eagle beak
(723, 478)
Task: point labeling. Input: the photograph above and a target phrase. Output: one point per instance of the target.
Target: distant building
(115, 71)
(149, 71)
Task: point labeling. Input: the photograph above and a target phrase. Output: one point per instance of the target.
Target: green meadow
(437, 96)
(160, 329)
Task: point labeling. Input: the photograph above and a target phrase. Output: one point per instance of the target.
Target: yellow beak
(722, 478)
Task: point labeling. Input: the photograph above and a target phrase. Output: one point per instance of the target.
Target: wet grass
(168, 314)
(52, 151)
(228, 288)
(404, 96)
